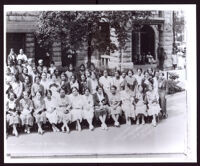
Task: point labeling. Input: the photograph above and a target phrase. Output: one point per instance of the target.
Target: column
(30, 45)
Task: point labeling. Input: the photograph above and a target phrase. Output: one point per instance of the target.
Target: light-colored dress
(139, 79)
(153, 103)
(77, 107)
(131, 81)
(140, 106)
(39, 114)
(127, 103)
(88, 107)
(51, 111)
(17, 88)
(37, 88)
(12, 116)
(117, 82)
(105, 82)
(63, 109)
(54, 87)
(114, 101)
(26, 107)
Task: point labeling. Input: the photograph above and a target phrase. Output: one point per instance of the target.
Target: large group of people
(40, 95)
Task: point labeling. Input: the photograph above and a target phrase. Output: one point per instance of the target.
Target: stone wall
(30, 45)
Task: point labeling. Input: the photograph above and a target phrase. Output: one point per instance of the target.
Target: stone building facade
(154, 33)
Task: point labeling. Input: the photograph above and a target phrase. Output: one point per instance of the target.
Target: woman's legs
(154, 120)
(15, 130)
(65, 125)
(138, 120)
(78, 125)
(91, 127)
(143, 122)
(40, 130)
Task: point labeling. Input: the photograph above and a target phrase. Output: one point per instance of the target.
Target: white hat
(40, 61)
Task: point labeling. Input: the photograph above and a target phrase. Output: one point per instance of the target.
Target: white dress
(51, 111)
(77, 107)
(153, 103)
(140, 107)
(127, 106)
(88, 107)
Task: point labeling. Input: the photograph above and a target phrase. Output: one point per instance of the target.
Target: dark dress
(101, 106)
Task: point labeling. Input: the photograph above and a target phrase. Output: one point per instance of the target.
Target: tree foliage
(74, 28)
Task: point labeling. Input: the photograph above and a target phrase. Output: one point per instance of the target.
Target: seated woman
(12, 115)
(26, 108)
(140, 105)
(127, 97)
(77, 107)
(63, 110)
(88, 108)
(101, 106)
(51, 112)
(115, 105)
(39, 111)
(153, 103)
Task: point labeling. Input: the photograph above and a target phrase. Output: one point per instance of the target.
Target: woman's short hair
(130, 71)
(11, 92)
(86, 88)
(72, 89)
(37, 76)
(98, 87)
(113, 86)
(49, 92)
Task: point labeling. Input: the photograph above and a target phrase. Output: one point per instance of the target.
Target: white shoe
(137, 122)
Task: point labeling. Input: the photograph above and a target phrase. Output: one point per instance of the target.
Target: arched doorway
(147, 41)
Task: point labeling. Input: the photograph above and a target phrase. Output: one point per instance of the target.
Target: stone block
(56, 49)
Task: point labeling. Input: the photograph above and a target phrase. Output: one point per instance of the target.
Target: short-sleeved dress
(140, 106)
(77, 107)
(153, 103)
(101, 104)
(51, 111)
(115, 104)
(127, 103)
(39, 114)
(12, 115)
(132, 82)
(63, 109)
(26, 107)
(88, 107)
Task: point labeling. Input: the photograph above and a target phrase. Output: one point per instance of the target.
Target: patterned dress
(12, 116)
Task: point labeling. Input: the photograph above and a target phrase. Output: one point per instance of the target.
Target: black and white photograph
(102, 82)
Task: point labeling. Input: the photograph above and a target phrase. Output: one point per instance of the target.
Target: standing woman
(153, 103)
(83, 84)
(139, 76)
(63, 110)
(37, 87)
(51, 112)
(101, 106)
(27, 85)
(127, 97)
(162, 91)
(39, 111)
(12, 115)
(145, 82)
(116, 81)
(93, 83)
(77, 107)
(17, 87)
(26, 108)
(74, 83)
(44, 82)
(131, 80)
(54, 85)
(115, 105)
(64, 84)
(140, 105)
(88, 108)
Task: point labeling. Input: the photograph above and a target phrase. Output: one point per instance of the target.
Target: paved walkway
(167, 137)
